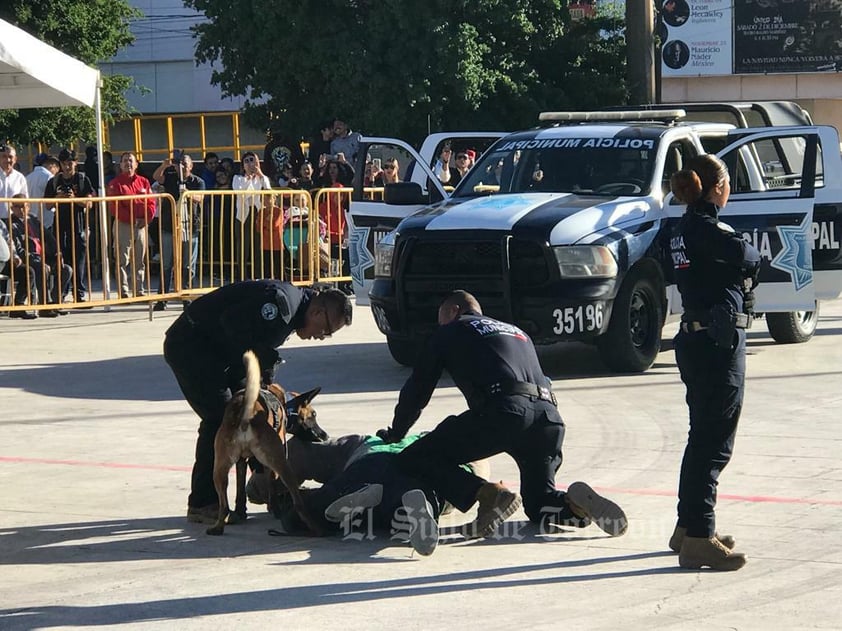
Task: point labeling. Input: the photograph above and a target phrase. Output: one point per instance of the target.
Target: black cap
(67, 154)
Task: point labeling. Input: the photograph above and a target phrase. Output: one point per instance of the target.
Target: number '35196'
(578, 319)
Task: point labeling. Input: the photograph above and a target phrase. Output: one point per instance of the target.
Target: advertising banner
(787, 36)
(695, 37)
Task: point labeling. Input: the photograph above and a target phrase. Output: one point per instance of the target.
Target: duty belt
(523, 388)
(697, 321)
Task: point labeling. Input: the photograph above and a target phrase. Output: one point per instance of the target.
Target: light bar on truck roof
(667, 116)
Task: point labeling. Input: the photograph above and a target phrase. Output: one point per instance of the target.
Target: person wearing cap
(12, 181)
(72, 225)
(204, 348)
(46, 166)
(464, 161)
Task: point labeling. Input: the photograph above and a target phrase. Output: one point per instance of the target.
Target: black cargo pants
(715, 380)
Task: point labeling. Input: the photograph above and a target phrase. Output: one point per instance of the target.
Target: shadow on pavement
(171, 538)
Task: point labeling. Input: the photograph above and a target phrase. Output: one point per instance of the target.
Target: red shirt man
(129, 182)
(130, 229)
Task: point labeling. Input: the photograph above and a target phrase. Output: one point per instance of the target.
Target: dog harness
(273, 404)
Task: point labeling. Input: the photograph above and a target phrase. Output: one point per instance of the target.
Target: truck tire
(794, 327)
(403, 351)
(633, 338)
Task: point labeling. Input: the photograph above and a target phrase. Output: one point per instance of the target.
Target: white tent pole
(103, 216)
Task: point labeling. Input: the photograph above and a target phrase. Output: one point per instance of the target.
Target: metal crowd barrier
(73, 258)
(245, 235)
(193, 245)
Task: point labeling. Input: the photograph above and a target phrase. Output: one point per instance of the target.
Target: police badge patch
(269, 311)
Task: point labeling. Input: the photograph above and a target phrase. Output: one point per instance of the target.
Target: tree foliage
(395, 68)
(92, 31)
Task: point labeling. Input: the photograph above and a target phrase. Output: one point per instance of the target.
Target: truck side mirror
(403, 194)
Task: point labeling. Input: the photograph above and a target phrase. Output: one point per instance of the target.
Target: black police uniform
(711, 262)
(204, 348)
(511, 410)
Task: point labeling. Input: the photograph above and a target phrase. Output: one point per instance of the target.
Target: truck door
(778, 192)
(772, 206)
(772, 200)
(370, 217)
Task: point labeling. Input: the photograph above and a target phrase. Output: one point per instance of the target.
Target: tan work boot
(496, 504)
(203, 514)
(588, 504)
(700, 551)
(679, 533)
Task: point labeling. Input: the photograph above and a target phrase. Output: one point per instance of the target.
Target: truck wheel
(633, 338)
(403, 351)
(793, 327)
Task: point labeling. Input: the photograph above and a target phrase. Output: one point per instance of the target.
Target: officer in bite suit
(511, 409)
(716, 270)
(204, 348)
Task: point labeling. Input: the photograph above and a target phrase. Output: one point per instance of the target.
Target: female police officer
(712, 264)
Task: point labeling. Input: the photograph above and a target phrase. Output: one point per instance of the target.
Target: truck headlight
(384, 251)
(585, 261)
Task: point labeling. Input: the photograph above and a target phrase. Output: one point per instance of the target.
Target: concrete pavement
(96, 446)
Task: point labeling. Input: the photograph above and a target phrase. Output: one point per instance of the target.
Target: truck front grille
(456, 259)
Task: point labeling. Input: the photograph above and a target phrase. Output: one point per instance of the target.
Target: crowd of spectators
(141, 231)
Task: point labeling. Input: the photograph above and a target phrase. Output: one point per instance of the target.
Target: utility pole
(640, 50)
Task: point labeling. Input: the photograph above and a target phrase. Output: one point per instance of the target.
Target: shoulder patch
(724, 226)
(269, 311)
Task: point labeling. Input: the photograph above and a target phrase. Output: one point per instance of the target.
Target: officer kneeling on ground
(204, 348)
(716, 271)
(511, 410)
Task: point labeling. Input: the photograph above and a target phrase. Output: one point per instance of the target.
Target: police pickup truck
(563, 229)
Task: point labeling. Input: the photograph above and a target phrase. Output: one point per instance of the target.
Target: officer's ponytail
(686, 186)
(694, 183)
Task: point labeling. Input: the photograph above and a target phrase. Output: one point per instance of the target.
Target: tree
(395, 68)
(92, 31)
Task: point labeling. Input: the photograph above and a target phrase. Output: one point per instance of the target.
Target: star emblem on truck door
(796, 255)
(360, 257)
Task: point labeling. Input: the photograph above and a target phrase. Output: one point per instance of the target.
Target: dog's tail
(252, 389)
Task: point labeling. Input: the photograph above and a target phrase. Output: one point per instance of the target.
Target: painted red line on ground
(85, 463)
(757, 499)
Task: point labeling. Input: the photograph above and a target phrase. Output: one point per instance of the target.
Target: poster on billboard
(695, 37)
(787, 36)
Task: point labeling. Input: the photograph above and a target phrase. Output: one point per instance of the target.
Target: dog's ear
(304, 398)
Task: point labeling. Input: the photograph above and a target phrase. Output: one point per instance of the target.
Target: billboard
(787, 36)
(695, 37)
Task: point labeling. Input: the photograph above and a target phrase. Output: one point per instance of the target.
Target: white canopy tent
(34, 74)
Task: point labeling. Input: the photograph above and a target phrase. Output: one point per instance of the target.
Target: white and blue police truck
(564, 229)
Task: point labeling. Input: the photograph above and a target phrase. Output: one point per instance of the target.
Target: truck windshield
(588, 166)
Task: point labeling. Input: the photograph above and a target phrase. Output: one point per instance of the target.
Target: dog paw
(237, 517)
(215, 530)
